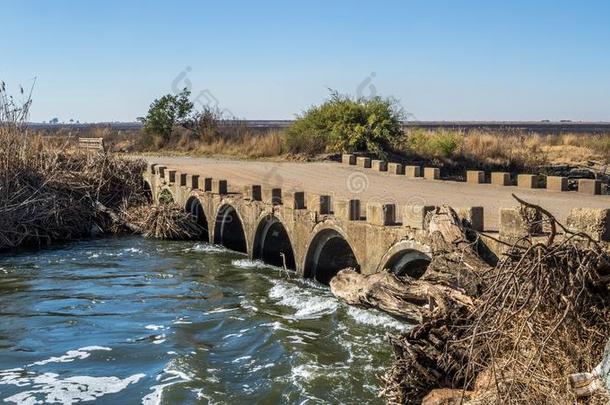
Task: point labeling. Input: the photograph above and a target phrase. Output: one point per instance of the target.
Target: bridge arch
(406, 259)
(272, 244)
(147, 189)
(328, 252)
(229, 229)
(195, 208)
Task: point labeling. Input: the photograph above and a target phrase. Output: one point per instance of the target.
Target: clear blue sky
(451, 60)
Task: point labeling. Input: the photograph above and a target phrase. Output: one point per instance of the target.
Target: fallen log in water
(509, 333)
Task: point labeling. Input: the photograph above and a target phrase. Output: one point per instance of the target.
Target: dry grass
(508, 150)
(163, 221)
(49, 194)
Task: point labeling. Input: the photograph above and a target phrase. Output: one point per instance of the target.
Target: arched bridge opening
(408, 262)
(328, 253)
(229, 230)
(272, 244)
(194, 207)
(147, 190)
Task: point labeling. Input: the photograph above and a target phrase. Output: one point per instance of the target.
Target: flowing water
(137, 321)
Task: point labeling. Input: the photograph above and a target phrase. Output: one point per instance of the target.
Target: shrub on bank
(346, 124)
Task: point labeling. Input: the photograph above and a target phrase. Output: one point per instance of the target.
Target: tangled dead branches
(163, 221)
(52, 194)
(543, 313)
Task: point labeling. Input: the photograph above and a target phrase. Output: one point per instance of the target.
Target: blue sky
(443, 60)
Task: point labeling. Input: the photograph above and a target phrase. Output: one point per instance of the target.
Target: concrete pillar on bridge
(414, 216)
(500, 178)
(396, 168)
(557, 183)
(322, 204)
(219, 187)
(590, 186)
(593, 222)
(432, 173)
(412, 171)
(272, 195)
(381, 214)
(253, 192)
(364, 162)
(528, 181)
(379, 165)
(192, 181)
(475, 176)
(348, 210)
(348, 159)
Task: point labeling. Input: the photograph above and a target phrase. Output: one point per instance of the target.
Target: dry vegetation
(51, 192)
(512, 151)
(452, 149)
(538, 315)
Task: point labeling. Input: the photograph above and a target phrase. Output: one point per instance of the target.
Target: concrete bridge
(318, 233)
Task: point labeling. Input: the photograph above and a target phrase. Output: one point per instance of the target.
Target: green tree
(345, 124)
(168, 111)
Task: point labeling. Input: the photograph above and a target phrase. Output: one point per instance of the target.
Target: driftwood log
(446, 292)
(451, 280)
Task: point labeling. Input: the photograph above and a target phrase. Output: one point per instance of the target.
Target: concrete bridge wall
(321, 236)
(316, 236)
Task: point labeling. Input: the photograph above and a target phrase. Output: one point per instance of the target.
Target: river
(137, 321)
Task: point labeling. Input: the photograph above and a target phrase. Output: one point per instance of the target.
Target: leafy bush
(166, 112)
(434, 144)
(346, 124)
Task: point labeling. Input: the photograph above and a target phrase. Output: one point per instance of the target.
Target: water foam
(206, 248)
(307, 305)
(251, 264)
(71, 355)
(50, 388)
(375, 318)
(169, 377)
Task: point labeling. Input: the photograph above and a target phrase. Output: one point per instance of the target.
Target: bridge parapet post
(348, 210)
(396, 168)
(593, 222)
(181, 179)
(412, 171)
(192, 181)
(322, 204)
(253, 192)
(171, 176)
(514, 226)
(219, 187)
(414, 216)
(272, 195)
(381, 214)
(379, 165)
(348, 159)
(294, 200)
(160, 170)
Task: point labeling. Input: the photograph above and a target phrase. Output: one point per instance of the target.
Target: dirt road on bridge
(341, 181)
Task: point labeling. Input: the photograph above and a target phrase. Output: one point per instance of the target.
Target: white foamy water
(170, 376)
(71, 355)
(207, 248)
(51, 388)
(250, 264)
(307, 305)
(375, 318)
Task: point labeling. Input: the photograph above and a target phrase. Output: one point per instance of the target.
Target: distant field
(507, 126)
